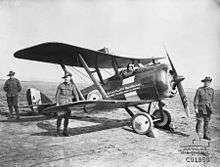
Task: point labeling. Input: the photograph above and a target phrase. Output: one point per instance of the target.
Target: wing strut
(98, 85)
(115, 66)
(78, 90)
(99, 74)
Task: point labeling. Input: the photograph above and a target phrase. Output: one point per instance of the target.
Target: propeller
(178, 79)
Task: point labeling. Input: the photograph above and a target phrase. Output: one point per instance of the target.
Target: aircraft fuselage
(151, 82)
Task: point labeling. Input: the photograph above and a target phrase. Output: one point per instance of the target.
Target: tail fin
(35, 98)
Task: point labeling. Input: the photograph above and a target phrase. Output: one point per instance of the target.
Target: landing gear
(142, 123)
(162, 118)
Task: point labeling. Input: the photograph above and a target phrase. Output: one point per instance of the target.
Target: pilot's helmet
(130, 65)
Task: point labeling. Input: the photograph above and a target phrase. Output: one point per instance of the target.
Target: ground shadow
(173, 131)
(29, 119)
(130, 129)
(26, 116)
(166, 130)
(103, 124)
(21, 113)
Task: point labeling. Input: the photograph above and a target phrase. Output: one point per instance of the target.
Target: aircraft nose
(179, 78)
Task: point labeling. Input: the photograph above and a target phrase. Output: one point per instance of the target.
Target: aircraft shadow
(104, 124)
(29, 119)
(26, 117)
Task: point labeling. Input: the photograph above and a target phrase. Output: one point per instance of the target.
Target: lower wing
(95, 104)
(38, 105)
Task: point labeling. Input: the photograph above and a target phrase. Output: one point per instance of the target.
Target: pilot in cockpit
(129, 71)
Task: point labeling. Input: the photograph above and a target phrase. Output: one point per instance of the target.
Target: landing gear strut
(143, 122)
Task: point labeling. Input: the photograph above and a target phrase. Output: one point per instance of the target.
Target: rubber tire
(149, 120)
(165, 122)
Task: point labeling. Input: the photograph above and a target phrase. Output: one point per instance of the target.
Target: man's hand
(57, 104)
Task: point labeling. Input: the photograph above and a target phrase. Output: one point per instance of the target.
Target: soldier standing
(12, 87)
(66, 93)
(203, 104)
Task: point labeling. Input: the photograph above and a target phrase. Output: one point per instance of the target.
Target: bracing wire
(58, 69)
(107, 72)
(81, 74)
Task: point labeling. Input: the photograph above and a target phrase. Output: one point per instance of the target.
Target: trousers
(13, 103)
(205, 119)
(66, 116)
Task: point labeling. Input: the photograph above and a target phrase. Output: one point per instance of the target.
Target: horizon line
(216, 87)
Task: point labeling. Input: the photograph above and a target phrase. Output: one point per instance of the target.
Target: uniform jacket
(66, 93)
(12, 87)
(203, 100)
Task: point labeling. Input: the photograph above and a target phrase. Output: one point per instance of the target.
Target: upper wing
(97, 104)
(60, 53)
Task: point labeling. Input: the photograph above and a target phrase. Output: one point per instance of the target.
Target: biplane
(150, 81)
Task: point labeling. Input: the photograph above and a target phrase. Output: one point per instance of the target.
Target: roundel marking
(94, 95)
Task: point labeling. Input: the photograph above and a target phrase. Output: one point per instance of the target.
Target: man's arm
(75, 93)
(212, 100)
(196, 101)
(74, 90)
(5, 86)
(213, 96)
(57, 96)
(19, 85)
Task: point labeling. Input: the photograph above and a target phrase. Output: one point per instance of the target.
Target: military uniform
(203, 101)
(12, 87)
(66, 93)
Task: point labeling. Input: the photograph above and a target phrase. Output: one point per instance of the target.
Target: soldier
(203, 104)
(12, 87)
(66, 93)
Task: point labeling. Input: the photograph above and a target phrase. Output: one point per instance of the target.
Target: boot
(65, 133)
(59, 119)
(206, 126)
(206, 137)
(10, 112)
(58, 132)
(66, 122)
(17, 112)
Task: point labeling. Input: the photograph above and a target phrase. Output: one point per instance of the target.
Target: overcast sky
(189, 28)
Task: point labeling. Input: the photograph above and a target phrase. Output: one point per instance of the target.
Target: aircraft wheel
(142, 123)
(164, 116)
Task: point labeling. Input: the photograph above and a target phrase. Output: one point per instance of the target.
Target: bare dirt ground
(102, 139)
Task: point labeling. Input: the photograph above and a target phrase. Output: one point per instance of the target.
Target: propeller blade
(183, 98)
(171, 63)
(178, 80)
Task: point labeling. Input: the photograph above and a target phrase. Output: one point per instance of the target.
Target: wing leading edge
(54, 52)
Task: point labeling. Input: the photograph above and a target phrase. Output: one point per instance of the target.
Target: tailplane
(37, 100)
